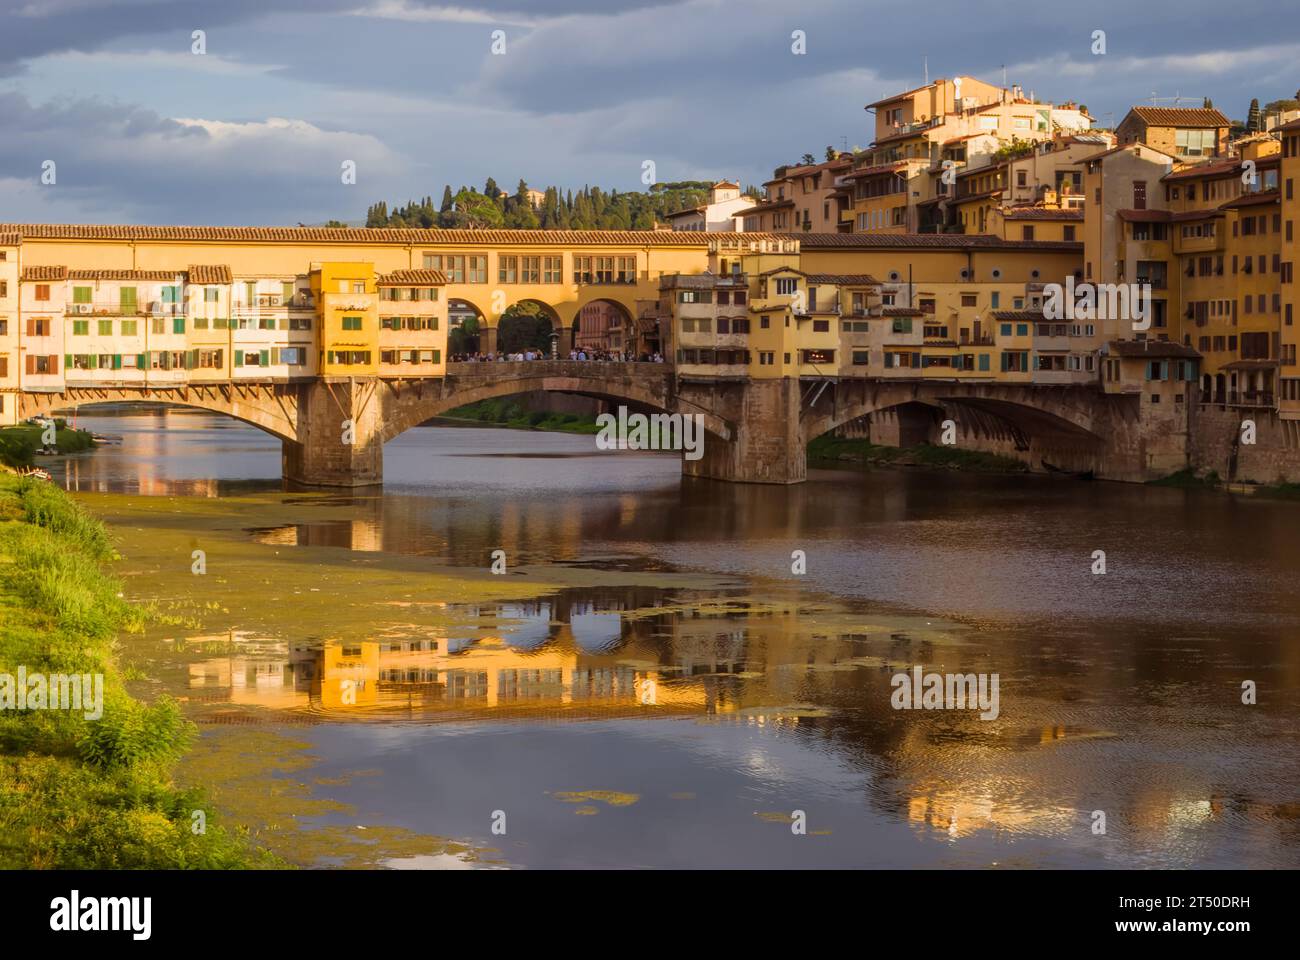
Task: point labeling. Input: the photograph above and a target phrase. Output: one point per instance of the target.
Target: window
(507, 269)
(126, 299)
(80, 328)
(1069, 233)
(1027, 232)
(1195, 143)
(105, 328)
(351, 323)
(210, 294)
(42, 291)
(530, 270)
(787, 286)
(129, 328)
(552, 270)
(80, 294)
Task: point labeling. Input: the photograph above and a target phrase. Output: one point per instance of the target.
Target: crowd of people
(605, 356)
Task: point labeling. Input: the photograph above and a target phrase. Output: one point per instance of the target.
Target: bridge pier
(340, 435)
(768, 445)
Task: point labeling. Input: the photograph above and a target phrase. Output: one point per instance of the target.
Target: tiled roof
(11, 239)
(1164, 216)
(639, 238)
(412, 278)
(1035, 316)
(843, 279)
(209, 273)
(1150, 348)
(873, 171)
(923, 241)
(1208, 169)
(45, 273)
(764, 207)
(145, 275)
(901, 312)
(1252, 199)
(1040, 213)
(1180, 117)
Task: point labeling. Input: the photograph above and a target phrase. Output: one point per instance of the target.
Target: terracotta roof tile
(412, 278)
(915, 241)
(1041, 213)
(355, 235)
(11, 239)
(843, 279)
(209, 273)
(1181, 117)
(45, 273)
(1252, 199)
(1150, 348)
(157, 276)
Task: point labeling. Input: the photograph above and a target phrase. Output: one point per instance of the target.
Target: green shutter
(239, 358)
(117, 361)
(142, 361)
(92, 361)
(275, 356)
(178, 324)
(264, 357)
(127, 299)
(67, 361)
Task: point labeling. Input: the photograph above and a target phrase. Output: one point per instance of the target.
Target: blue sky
(254, 131)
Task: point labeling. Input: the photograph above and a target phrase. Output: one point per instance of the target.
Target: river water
(651, 683)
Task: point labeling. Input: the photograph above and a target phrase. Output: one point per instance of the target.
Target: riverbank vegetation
(509, 412)
(77, 792)
(18, 444)
(861, 450)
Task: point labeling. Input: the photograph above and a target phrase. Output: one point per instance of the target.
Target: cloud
(155, 168)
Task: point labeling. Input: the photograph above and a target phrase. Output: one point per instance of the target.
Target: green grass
(508, 412)
(78, 793)
(18, 445)
(1188, 479)
(857, 450)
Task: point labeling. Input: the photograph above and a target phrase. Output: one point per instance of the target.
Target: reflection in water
(667, 694)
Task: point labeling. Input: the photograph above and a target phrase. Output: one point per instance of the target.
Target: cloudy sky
(255, 130)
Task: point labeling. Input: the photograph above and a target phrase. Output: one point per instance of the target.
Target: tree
(807, 160)
(491, 190)
(447, 199)
(524, 326)
(1254, 120)
(473, 211)
(1207, 104)
(832, 153)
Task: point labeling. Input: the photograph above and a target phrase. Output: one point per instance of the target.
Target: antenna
(1004, 76)
(925, 65)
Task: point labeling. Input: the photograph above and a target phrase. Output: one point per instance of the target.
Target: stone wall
(1216, 444)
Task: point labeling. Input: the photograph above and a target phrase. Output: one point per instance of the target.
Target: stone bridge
(333, 429)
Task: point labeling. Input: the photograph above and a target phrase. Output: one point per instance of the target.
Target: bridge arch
(271, 408)
(409, 405)
(1059, 413)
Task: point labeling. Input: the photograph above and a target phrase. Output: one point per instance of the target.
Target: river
(651, 684)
